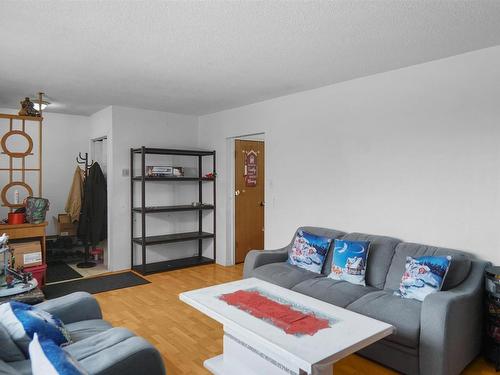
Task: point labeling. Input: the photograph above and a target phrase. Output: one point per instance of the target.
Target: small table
(25, 231)
(254, 346)
(31, 297)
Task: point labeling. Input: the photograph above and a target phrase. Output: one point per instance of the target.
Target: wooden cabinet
(26, 231)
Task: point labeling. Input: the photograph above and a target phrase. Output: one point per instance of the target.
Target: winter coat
(93, 218)
(74, 202)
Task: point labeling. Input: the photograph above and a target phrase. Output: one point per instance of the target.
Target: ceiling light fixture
(36, 102)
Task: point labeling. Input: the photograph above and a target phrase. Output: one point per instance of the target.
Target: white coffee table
(253, 346)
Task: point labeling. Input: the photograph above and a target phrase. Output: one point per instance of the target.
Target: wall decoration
(21, 155)
(250, 169)
(28, 108)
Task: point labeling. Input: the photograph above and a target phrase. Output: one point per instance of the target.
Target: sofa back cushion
(458, 271)
(324, 232)
(379, 257)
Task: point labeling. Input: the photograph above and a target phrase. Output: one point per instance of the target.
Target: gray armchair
(97, 346)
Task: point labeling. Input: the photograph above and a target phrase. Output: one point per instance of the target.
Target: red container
(38, 273)
(16, 218)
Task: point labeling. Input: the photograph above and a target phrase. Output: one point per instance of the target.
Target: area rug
(94, 285)
(60, 271)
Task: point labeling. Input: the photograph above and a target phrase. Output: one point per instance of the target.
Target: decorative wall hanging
(250, 169)
(21, 166)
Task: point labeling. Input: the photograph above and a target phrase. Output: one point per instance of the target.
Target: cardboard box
(164, 171)
(64, 225)
(27, 254)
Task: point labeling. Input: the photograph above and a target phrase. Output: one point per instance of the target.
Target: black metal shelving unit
(491, 345)
(143, 240)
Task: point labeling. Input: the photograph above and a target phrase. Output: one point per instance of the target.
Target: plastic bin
(38, 273)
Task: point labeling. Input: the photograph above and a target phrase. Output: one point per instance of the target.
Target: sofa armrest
(451, 325)
(73, 307)
(129, 357)
(257, 258)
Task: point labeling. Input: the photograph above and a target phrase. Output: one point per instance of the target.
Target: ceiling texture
(198, 57)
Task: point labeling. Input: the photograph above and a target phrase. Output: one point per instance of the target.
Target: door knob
(262, 204)
(237, 192)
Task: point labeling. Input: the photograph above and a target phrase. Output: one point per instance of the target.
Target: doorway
(249, 161)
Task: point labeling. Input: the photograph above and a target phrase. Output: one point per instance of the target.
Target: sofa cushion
(21, 367)
(309, 251)
(283, 274)
(22, 321)
(380, 257)
(132, 356)
(423, 276)
(336, 292)
(95, 344)
(324, 232)
(402, 313)
(349, 261)
(5, 369)
(458, 271)
(9, 351)
(117, 351)
(86, 328)
(47, 358)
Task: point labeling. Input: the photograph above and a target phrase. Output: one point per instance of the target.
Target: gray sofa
(438, 336)
(98, 347)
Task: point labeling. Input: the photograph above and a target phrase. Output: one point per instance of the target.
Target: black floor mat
(60, 271)
(94, 285)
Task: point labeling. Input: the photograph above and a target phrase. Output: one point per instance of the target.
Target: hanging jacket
(93, 218)
(74, 201)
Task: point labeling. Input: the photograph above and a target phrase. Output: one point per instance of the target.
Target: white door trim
(230, 201)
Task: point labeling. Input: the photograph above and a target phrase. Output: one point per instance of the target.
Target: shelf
(171, 265)
(17, 117)
(168, 151)
(185, 207)
(175, 237)
(139, 178)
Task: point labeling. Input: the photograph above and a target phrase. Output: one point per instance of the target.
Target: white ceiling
(202, 57)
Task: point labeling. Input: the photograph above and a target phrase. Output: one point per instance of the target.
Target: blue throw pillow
(423, 276)
(22, 321)
(349, 261)
(49, 359)
(309, 251)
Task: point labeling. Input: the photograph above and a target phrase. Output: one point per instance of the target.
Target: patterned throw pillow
(309, 251)
(423, 276)
(349, 261)
(22, 321)
(49, 359)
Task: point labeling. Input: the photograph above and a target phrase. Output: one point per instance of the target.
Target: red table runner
(281, 315)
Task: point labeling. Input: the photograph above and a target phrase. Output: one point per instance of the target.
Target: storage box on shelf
(64, 226)
(143, 240)
(27, 254)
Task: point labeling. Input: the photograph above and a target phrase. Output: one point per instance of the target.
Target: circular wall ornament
(6, 188)
(6, 136)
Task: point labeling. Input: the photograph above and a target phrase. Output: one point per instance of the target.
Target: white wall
(63, 136)
(412, 153)
(136, 128)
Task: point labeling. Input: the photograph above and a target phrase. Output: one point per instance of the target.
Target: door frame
(92, 141)
(231, 202)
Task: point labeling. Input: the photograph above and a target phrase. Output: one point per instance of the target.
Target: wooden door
(249, 197)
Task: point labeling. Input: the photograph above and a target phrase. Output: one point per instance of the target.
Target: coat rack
(84, 160)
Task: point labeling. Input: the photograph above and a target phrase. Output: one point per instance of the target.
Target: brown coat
(74, 202)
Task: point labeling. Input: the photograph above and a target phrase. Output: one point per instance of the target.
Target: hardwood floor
(186, 337)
